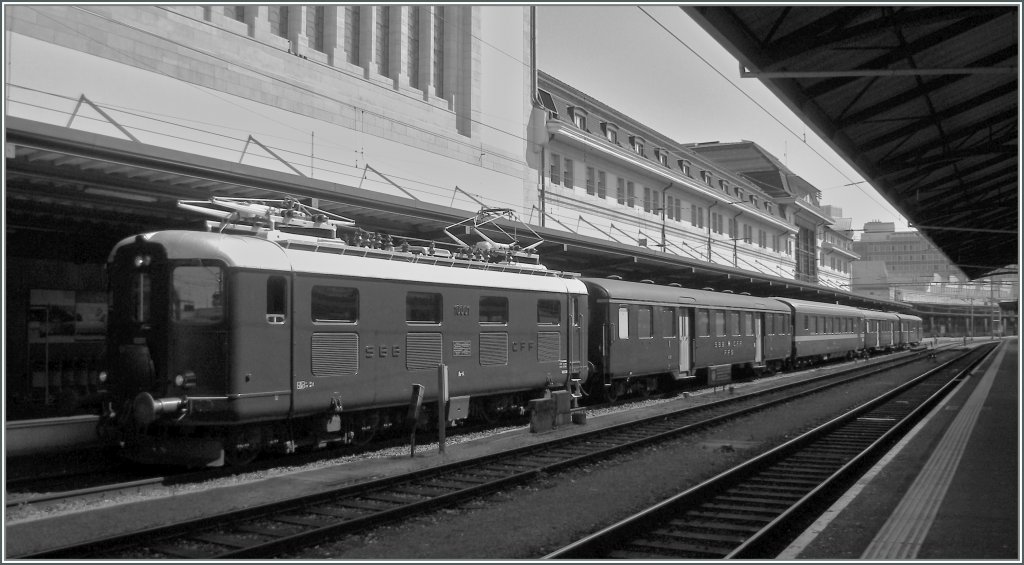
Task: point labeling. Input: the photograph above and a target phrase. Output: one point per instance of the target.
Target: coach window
(703, 327)
(623, 322)
(748, 323)
(549, 312)
(719, 318)
(807, 322)
(668, 322)
(493, 310)
(769, 324)
(732, 323)
(645, 322)
(337, 304)
(423, 308)
(828, 325)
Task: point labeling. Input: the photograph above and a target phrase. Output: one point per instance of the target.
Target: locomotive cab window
(276, 292)
(198, 294)
(423, 308)
(549, 312)
(336, 304)
(493, 310)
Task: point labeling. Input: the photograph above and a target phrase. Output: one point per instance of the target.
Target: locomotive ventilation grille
(335, 354)
(549, 346)
(423, 351)
(494, 348)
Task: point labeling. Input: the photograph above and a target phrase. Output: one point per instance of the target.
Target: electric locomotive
(224, 345)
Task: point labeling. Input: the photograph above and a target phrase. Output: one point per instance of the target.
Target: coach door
(758, 338)
(685, 361)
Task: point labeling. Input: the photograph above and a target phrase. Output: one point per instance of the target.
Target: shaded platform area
(950, 490)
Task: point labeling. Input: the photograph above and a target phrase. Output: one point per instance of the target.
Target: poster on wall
(51, 316)
(90, 316)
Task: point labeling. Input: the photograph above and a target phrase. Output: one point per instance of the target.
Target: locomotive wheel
(615, 391)
(364, 428)
(242, 447)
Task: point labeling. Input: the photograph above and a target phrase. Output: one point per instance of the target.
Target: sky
(656, 65)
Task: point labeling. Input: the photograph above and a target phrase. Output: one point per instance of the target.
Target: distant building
(606, 175)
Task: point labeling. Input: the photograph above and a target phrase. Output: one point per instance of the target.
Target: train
(224, 344)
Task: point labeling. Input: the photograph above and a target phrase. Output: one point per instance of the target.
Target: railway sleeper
(710, 538)
(756, 500)
(181, 552)
(741, 508)
(231, 539)
(709, 514)
(765, 493)
(713, 526)
(680, 549)
(268, 532)
(345, 513)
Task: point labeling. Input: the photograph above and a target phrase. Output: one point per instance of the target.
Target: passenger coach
(641, 333)
(824, 331)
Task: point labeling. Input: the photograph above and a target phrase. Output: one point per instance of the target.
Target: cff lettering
(728, 346)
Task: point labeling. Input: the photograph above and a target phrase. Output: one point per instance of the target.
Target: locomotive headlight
(142, 260)
(103, 376)
(186, 379)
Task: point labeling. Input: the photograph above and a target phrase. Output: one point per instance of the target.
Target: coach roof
(612, 289)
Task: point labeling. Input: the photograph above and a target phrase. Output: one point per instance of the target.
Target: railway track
(273, 529)
(754, 510)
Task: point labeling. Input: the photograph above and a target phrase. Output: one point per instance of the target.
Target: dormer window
(684, 166)
(579, 117)
(724, 186)
(753, 200)
(637, 143)
(662, 156)
(706, 177)
(611, 132)
(768, 207)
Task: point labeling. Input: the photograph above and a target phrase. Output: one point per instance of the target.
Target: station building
(121, 110)
(906, 267)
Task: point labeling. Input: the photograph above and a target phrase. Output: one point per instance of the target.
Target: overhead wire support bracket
(272, 153)
(100, 111)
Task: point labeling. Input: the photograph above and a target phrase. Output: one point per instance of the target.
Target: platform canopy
(921, 100)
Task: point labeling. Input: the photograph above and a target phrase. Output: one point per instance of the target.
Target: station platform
(949, 491)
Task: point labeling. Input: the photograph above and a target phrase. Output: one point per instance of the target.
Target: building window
(637, 143)
(723, 185)
(662, 156)
(670, 212)
(775, 243)
(383, 40)
(697, 216)
(352, 33)
(413, 51)
(762, 238)
(706, 177)
(732, 228)
(235, 12)
(630, 194)
(315, 27)
(556, 168)
(647, 199)
(590, 181)
(439, 20)
(768, 207)
(716, 222)
(748, 233)
(679, 210)
(602, 185)
(579, 117)
(684, 166)
(611, 132)
(278, 16)
(568, 178)
(620, 191)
